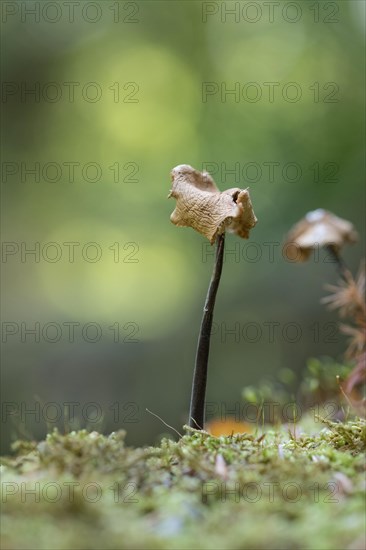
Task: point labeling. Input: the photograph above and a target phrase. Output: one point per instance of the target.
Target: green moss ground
(271, 490)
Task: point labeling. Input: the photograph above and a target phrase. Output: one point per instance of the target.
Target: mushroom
(203, 207)
(200, 205)
(320, 228)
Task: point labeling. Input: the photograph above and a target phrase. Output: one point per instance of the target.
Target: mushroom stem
(341, 265)
(197, 407)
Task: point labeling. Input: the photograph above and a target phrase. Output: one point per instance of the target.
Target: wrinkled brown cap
(318, 228)
(202, 206)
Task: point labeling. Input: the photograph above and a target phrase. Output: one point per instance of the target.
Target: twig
(165, 424)
(197, 407)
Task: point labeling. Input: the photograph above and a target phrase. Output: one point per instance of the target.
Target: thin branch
(197, 407)
(165, 424)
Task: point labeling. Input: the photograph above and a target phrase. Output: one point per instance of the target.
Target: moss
(279, 488)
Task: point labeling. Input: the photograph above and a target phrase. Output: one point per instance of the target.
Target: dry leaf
(203, 207)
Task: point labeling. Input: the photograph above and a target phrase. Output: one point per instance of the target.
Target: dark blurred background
(100, 100)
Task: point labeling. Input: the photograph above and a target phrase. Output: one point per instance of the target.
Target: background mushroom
(320, 228)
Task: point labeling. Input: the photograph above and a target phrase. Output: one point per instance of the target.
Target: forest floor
(280, 488)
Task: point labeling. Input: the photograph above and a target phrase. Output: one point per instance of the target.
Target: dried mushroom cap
(203, 207)
(319, 228)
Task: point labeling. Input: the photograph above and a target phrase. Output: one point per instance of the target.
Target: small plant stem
(341, 265)
(197, 407)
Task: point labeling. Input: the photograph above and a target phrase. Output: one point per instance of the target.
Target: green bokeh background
(168, 53)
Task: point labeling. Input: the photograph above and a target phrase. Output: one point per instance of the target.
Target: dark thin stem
(197, 408)
(341, 265)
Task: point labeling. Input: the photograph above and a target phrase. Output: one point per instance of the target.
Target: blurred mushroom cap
(318, 228)
(219, 427)
(203, 207)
